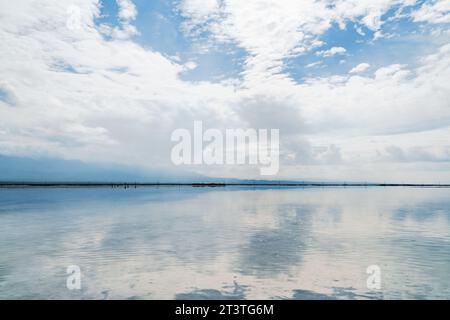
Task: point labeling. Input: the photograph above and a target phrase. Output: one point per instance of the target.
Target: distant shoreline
(126, 185)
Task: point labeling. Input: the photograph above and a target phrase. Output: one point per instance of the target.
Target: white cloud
(392, 72)
(199, 11)
(314, 64)
(437, 11)
(272, 31)
(127, 10)
(127, 14)
(190, 65)
(360, 68)
(331, 52)
(80, 96)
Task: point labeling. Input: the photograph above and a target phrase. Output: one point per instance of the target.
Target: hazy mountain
(50, 170)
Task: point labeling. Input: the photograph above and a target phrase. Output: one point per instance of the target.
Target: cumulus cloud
(190, 65)
(127, 14)
(127, 10)
(360, 68)
(331, 52)
(271, 31)
(437, 11)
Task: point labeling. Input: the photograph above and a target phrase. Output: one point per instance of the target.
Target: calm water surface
(199, 243)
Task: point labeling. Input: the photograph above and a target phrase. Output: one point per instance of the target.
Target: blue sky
(159, 24)
(358, 89)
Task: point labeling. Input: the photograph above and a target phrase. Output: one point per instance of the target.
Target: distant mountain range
(49, 170)
(56, 170)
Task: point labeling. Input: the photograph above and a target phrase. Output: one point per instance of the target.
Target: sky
(359, 89)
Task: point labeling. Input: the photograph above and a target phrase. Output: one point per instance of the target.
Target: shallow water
(231, 243)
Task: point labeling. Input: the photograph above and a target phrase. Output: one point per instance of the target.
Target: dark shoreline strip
(204, 185)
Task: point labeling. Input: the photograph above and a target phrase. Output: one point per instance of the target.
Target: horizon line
(115, 184)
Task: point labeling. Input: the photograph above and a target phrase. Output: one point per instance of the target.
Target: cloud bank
(96, 94)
